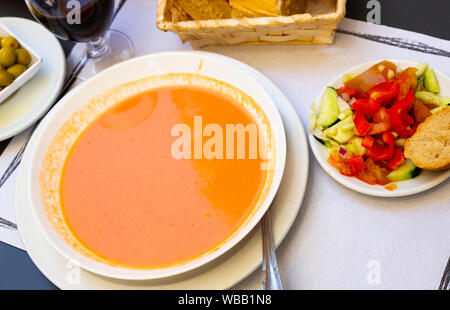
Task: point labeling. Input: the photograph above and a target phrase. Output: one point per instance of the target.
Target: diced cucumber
(329, 108)
(326, 143)
(355, 146)
(419, 83)
(422, 67)
(345, 114)
(405, 172)
(343, 131)
(348, 76)
(430, 81)
(432, 98)
(439, 108)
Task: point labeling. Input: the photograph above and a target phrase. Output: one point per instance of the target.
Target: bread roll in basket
(233, 22)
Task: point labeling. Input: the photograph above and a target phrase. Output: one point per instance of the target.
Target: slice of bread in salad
(429, 147)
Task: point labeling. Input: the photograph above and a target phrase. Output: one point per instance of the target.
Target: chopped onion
(342, 151)
(352, 101)
(345, 96)
(343, 106)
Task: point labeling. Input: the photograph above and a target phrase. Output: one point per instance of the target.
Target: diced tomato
(357, 164)
(336, 160)
(374, 174)
(381, 122)
(421, 112)
(383, 152)
(372, 76)
(378, 128)
(381, 115)
(407, 80)
(361, 124)
(397, 159)
(391, 187)
(368, 142)
(430, 106)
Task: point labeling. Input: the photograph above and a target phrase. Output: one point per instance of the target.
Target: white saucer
(33, 99)
(223, 272)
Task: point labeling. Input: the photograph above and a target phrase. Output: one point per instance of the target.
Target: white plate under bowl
(32, 69)
(426, 180)
(34, 98)
(223, 272)
(131, 70)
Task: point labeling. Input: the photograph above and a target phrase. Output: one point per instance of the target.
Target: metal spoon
(271, 279)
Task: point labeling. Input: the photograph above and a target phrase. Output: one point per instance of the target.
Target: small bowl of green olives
(18, 63)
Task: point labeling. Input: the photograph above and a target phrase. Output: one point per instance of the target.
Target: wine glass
(85, 21)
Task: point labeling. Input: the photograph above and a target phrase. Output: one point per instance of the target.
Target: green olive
(7, 56)
(10, 42)
(16, 70)
(23, 57)
(6, 78)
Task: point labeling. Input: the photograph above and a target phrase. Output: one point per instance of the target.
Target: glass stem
(97, 47)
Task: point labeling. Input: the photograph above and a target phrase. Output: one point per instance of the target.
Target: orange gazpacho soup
(126, 198)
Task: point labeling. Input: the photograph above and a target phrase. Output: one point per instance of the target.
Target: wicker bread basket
(316, 26)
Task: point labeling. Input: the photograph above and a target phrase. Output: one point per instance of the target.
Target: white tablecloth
(340, 239)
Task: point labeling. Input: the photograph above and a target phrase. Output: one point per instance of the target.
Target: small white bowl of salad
(360, 122)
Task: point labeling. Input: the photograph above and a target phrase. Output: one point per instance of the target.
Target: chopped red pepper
(404, 103)
(350, 92)
(368, 142)
(398, 126)
(385, 86)
(378, 152)
(397, 159)
(359, 105)
(357, 164)
(399, 117)
(361, 124)
(383, 93)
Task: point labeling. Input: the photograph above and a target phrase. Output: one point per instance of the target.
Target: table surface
(17, 271)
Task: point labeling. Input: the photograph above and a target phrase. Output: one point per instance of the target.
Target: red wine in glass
(85, 21)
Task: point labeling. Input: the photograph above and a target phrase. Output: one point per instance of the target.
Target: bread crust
(431, 137)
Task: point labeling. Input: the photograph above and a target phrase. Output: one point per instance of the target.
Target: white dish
(426, 180)
(32, 69)
(26, 105)
(221, 273)
(131, 70)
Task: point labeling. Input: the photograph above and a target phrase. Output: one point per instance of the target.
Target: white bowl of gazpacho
(157, 165)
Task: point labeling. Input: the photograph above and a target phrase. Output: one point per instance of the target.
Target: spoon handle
(271, 279)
